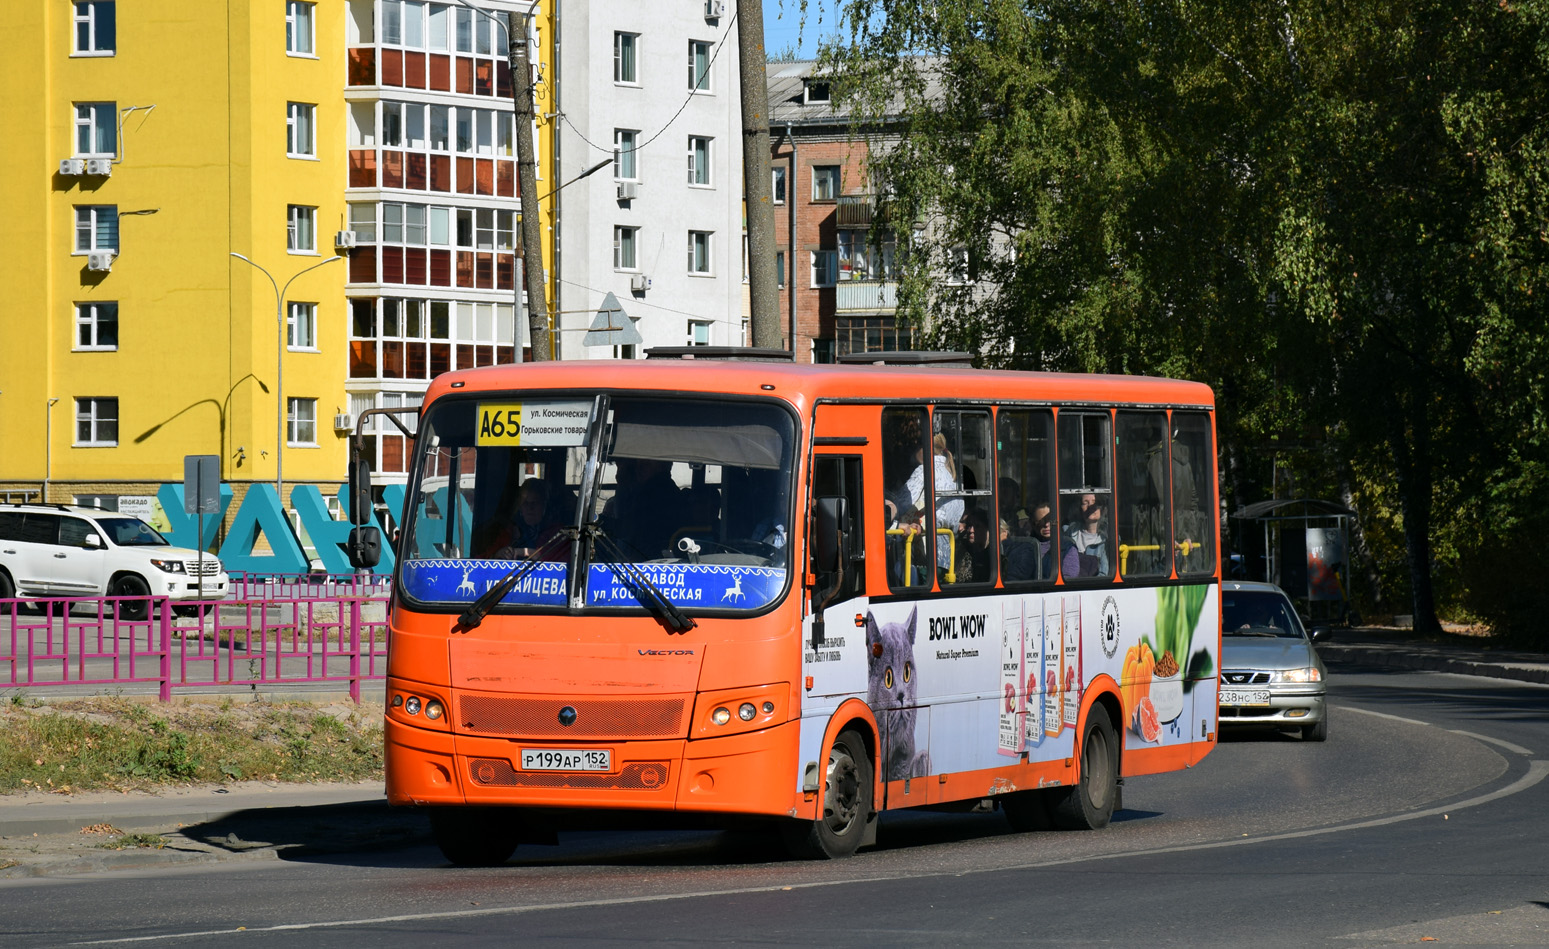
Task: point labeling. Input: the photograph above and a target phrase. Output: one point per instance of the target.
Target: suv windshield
(131, 532)
(1259, 613)
(695, 492)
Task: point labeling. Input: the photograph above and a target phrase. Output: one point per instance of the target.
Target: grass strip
(109, 743)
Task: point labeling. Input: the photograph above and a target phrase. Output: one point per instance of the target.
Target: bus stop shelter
(1301, 545)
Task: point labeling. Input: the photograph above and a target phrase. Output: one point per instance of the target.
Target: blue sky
(780, 25)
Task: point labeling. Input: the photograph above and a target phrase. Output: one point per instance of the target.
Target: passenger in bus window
(1041, 523)
(948, 512)
(1018, 556)
(532, 527)
(1085, 544)
(974, 564)
(645, 508)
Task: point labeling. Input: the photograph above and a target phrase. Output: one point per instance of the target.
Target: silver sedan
(1270, 674)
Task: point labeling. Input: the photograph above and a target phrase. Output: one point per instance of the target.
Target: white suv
(62, 551)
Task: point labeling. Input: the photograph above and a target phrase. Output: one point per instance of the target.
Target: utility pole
(764, 290)
(527, 183)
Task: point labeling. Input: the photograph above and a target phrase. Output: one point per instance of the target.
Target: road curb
(1397, 657)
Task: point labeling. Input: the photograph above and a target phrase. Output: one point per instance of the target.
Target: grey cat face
(890, 671)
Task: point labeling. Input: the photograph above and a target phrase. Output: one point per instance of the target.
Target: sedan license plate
(1239, 697)
(567, 759)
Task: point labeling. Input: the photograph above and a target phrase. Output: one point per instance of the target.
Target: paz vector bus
(728, 590)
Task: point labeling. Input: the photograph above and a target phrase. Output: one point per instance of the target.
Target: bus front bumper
(749, 773)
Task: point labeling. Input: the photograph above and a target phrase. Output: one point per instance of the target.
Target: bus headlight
(746, 711)
(434, 710)
(721, 715)
(412, 705)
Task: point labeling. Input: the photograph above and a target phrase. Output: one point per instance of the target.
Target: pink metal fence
(257, 642)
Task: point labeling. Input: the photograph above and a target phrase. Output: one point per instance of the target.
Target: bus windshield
(690, 496)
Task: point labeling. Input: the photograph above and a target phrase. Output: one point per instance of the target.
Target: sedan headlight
(1309, 674)
(168, 566)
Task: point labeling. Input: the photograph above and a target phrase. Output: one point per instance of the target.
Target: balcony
(866, 297)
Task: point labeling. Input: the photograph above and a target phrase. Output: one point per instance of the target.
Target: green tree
(1333, 213)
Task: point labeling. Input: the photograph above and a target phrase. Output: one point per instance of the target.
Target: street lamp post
(279, 366)
(538, 330)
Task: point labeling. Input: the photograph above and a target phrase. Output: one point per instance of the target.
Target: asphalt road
(1422, 816)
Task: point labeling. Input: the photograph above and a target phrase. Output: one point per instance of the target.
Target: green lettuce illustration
(1177, 617)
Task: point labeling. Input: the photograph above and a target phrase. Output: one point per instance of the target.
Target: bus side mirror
(360, 491)
(827, 541)
(364, 548)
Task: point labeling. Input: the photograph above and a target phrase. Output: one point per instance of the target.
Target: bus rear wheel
(1088, 804)
(846, 808)
(472, 836)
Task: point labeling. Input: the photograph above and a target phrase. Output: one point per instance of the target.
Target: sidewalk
(1400, 649)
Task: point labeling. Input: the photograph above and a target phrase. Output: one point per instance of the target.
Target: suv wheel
(131, 585)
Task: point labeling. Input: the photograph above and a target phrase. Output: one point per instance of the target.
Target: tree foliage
(1336, 214)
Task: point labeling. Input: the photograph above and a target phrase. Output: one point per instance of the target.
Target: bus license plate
(1245, 697)
(567, 759)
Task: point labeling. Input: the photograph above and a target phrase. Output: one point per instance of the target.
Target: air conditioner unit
(640, 282)
(101, 260)
(344, 421)
(99, 166)
(72, 166)
(714, 9)
(344, 239)
(629, 190)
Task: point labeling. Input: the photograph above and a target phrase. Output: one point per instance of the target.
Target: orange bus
(800, 594)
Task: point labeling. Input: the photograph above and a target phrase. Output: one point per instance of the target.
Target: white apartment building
(655, 86)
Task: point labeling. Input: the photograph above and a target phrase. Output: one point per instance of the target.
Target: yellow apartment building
(151, 140)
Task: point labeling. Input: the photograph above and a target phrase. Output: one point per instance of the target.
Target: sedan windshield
(1258, 613)
(687, 496)
(131, 532)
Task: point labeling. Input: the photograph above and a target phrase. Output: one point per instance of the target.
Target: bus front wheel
(473, 837)
(846, 808)
(1088, 804)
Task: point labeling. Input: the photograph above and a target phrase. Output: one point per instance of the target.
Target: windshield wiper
(649, 595)
(475, 613)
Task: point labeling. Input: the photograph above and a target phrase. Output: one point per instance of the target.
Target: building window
(871, 334)
(625, 46)
(363, 222)
(625, 351)
(301, 421)
(699, 252)
(698, 160)
(96, 228)
(624, 143)
(96, 129)
(96, 422)
(825, 182)
(301, 327)
(780, 269)
(95, 29)
(698, 333)
(299, 38)
(96, 326)
(698, 66)
(777, 185)
(301, 229)
(300, 141)
(817, 91)
(825, 268)
(624, 241)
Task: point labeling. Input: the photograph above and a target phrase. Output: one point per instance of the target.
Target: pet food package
(1053, 673)
(1032, 672)
(1070, 659)
(1011, 701)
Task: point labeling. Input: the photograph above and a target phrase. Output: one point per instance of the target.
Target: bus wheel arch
(844, 813)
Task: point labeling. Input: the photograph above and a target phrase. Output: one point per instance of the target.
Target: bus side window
(967, 501)
(906, 508)
(1086, 496)
(1143, 497)
(1024, 485)
(1193, 478)
(840, 476)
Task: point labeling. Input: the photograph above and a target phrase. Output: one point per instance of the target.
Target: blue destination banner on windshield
(463, 581)
(713, 586)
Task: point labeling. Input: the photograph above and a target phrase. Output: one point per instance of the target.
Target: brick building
(837, 289)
